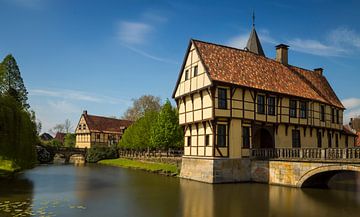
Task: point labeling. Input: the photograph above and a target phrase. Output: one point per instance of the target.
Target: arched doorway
(263, 139)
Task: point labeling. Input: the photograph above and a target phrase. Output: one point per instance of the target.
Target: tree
(17, 133)
(137, 136)
(67, 126)
(11, 82)
(166, 131)
(144, 104)
(59, 128)
(70, 140)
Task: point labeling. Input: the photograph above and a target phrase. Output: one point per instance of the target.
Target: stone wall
(216, 170)
(227, 170)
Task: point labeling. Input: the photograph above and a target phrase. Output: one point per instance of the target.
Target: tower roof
(253, 45)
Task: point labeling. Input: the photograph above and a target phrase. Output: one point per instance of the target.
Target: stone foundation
(216, 170)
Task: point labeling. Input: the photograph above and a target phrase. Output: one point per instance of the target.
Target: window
(187, 75)
(207, 140)
(98, 136)
(222, 101)
(221, 135)
(336, 140)
(195, 71)
(329, 140)
(261, 104)
(271, 105)
(296, 138)
(84, 126)
(189, 141)
(303, 109)
(319, 139)
(322, 113)
(337, 117)
(332, 115)
(246, 137)
(292, 107)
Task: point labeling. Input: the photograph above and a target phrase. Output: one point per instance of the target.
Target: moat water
(102, 191)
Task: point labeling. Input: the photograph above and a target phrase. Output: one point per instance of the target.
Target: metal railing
(325, 154)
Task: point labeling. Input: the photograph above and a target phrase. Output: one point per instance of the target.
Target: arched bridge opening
(320, 177)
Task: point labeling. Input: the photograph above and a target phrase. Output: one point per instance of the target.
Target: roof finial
(253, 19)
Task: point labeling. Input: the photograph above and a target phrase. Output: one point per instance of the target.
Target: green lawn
(148, 166)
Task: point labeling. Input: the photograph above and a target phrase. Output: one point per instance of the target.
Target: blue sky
(98, 55)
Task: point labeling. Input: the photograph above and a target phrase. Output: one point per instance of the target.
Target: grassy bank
(168, 169)
(7, 167)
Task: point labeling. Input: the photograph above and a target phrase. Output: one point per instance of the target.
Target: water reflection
(19, 199)
(108, 191)
(245, 200)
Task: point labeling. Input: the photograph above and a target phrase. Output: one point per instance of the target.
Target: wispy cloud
(352, 106)
(240, 40)
(77, 95)
(145, 54)
(315, 47)
(337, 42)
(134, 32)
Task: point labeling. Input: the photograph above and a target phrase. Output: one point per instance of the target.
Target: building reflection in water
(245, 199)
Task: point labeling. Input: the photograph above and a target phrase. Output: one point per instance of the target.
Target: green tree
(137, 136)
(18, 134)
(11, 82)
(70, 140)
(144, 104)
(166, 132)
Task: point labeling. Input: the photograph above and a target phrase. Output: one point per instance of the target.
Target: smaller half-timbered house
(94, 131)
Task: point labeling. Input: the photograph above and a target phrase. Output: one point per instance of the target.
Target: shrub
(96, 154)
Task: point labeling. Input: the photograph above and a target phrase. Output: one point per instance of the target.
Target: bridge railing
(337, 154)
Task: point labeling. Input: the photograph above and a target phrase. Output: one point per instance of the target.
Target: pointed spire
(253, 44)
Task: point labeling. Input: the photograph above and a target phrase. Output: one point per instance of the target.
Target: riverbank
(7, 168)
(161, 168)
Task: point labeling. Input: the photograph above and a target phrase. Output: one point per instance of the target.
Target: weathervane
(253, 19)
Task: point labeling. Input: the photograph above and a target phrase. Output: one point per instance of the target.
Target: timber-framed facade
(95, 131)
(231, 101)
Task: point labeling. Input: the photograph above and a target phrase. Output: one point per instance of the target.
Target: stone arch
(319, 176)
(263, 138)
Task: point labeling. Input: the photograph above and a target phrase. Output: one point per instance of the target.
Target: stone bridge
(67, 152)
(302, 167)
(291, 167)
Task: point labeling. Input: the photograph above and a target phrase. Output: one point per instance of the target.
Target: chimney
(85, 112)
(319, 70)
(282, 53)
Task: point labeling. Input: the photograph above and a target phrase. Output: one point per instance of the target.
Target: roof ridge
(108, 117)
(246, 51)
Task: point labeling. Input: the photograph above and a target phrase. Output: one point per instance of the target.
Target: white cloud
(315, 47)
(77, 95)
(344, 37)
(150, 56)
(134, 32)
(352, 106)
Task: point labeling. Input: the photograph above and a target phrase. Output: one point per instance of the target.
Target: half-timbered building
(94, 131)
(233, 100)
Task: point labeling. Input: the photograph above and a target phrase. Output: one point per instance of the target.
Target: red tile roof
(240, 67)
(105, 124)
(60, 136)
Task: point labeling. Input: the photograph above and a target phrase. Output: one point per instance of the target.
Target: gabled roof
(105, 124)
(253, 44)
(243, 68)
